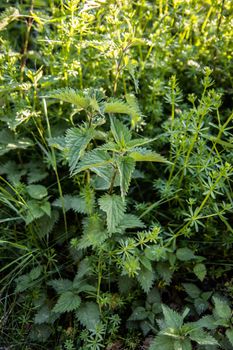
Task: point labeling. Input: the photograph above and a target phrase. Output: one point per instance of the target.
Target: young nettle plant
(107, 158)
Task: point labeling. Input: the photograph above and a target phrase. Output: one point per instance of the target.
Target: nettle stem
(113, 181)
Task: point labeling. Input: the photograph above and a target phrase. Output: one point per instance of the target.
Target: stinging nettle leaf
(222, 309)
(89, 315)
(126, 166)
(114, 207)
(77, 140)
(67, 301)
(200, 271)
(37, 191)
(72, 96)
(145, 155)
(185, 254)
(93, 160)
(121, 133)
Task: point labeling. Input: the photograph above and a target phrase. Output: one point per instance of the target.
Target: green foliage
(116, 174)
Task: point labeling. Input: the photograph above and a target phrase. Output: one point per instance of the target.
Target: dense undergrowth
(116, 174)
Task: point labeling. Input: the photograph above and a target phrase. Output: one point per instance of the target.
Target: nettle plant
(110, 243)
(107, 160)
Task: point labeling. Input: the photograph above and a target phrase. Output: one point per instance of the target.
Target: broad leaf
(114, 207)
(229, 334)
(121, 133)
(37, 191)
(145, 155)
(126, 167)
(72, 96)
(67, 301)
(145, 278)
(222, 309)
(185, 254)
(77, 140)
(203, 338)
(93, 160)
(200, 271)
(172, 318)
(89, 315)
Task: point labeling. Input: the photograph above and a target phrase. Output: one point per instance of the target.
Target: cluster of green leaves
(105, 231)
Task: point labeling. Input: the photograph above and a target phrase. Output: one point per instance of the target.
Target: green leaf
(44, 315)
(46, 207)
(77, 140)
(114, 207)
(72, 96)
(229, 334)
(67, 301)
(222, 309)
(145, 278)
(88, 315)
(203, 338)
(117, 106)
(145, 155)
(192, 290)
(184, 344)
(130, 221)
(207, 321)
(121, 133)
(61, 285)
(126, 167)
(93, 160)
(162, 342)
(34, 211)
(37, 191)
(200, 271)
(185, 254)
(29, 280)
(138, 314)
(94, 233)
(172, 318)
(164, 271)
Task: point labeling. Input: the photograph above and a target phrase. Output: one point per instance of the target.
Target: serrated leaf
(145, 278)
(138, 314)
(207, 321)
(130, 221)
(185, 254)
(203, 338)
(200, 271)
(164, 271)
(126, 166)
(172, 318)
(114, 207)
(192, 290)
(93, 160)
(61, 285)
(77, 140)
(88, 315)
(121, 133)
(145, 155)
(46, 207)
(34, 211)
(72, 96)
(184, 344)
(58, 142)
(37, 191)
(44, 315)
(162, 342)
(94, 233)
(67, 301)
(229, 334)
(221, 309)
